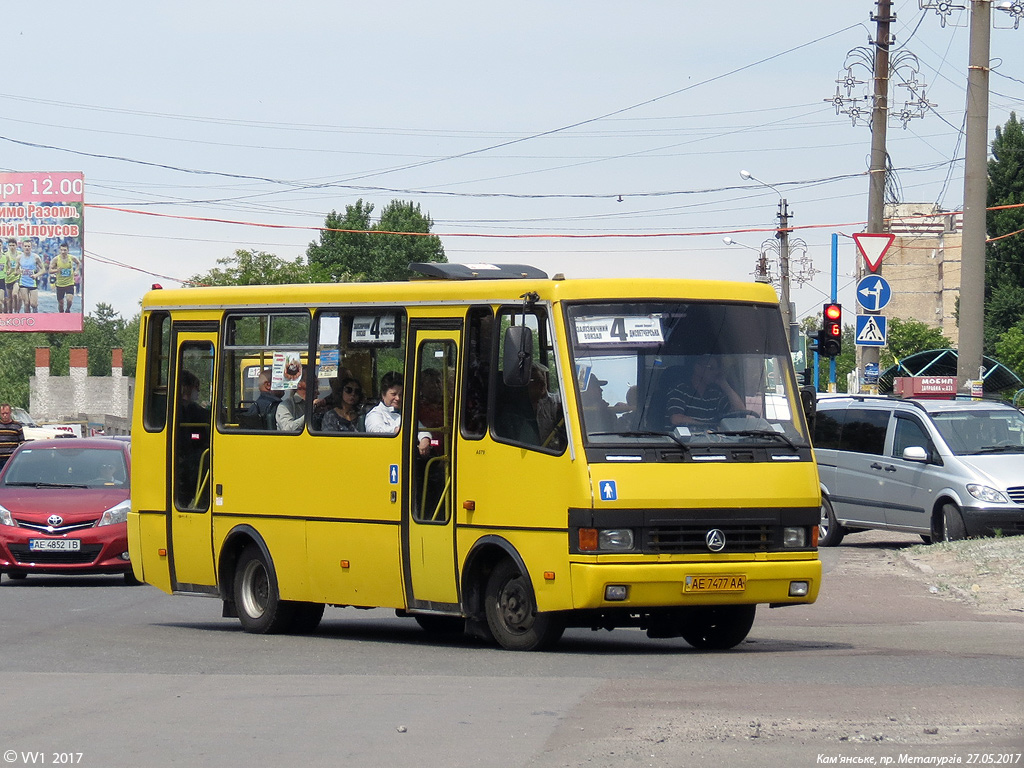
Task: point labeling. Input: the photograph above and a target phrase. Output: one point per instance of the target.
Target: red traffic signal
(830, 338)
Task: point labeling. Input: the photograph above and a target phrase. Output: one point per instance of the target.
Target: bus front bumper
(658, 585)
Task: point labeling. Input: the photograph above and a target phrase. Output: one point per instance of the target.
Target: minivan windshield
(696, 373)
(977, 430)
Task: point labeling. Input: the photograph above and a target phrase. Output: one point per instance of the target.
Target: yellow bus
(548, 453)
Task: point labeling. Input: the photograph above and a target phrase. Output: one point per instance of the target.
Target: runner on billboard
(31, 267)
(63, 269)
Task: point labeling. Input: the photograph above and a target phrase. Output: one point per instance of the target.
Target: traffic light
(830, 337)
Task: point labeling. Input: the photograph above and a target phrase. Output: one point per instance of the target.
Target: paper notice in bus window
(373, 329)
(611, 331)
(286, 370)
(328, 367)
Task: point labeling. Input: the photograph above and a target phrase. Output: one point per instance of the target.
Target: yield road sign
(873, 246)
(873, 293)
(870, 331)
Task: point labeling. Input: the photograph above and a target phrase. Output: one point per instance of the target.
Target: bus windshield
(697, 373)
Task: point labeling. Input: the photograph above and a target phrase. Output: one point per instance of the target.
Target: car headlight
(116, 514)
(6, 518)
(985, 493)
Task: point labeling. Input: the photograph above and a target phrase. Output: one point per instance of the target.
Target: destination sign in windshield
(624, 330)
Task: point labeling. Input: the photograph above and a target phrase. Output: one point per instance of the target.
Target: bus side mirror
(518, 355)
(809, 401)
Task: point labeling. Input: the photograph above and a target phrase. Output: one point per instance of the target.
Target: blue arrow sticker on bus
(393, 474)
(608, 490)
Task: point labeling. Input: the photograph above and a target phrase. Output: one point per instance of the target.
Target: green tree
(258, 268)
(1004, 257)
(374, 252)
(1010, 349)
(907, 337)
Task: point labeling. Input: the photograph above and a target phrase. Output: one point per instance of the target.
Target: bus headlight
(794, 538)
(606, 539)
(615, 539)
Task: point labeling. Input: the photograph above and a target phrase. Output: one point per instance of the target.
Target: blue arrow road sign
(873, 293)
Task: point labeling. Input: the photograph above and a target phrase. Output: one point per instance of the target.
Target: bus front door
(191, 465)
(428, 521)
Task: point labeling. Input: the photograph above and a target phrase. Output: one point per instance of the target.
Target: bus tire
(830, 532)
(512, 614)
(716, 627)
(260, 608)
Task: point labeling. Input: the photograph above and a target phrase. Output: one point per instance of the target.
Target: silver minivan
(944, 469)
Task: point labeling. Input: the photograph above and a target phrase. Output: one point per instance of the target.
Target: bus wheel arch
(485, 554)
(236, 541)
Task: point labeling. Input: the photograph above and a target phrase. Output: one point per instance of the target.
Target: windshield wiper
(645, 433)
(55, 485)
(755, 433)
(1000, 449)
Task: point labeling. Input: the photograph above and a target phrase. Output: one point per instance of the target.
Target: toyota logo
(54, 521)
(715, 540)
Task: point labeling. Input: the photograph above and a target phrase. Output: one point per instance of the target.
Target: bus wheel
(716, 627)
(830, 533)
(259, 605)
(512, 614)
(445, 626)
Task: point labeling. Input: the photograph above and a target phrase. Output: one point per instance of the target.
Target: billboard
(42, 251)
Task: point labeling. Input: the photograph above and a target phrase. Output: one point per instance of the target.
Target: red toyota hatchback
(64, 508)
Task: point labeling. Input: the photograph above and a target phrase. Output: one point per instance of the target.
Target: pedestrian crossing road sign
(870, 331)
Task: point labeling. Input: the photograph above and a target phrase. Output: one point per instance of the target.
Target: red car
(64, 508)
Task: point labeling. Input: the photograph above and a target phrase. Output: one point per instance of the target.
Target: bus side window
(530, 415)
(263, 355)
(480, 324)
(355, 350)
(158, 351)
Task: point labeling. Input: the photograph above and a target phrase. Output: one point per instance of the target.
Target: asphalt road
(97, 674)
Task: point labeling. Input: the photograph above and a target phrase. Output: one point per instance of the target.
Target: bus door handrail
(444, 493)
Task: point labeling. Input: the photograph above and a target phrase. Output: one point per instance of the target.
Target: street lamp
(761, 274)
(783, 236)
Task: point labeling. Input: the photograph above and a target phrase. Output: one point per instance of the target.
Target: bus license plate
(727, 583)
(54, 545)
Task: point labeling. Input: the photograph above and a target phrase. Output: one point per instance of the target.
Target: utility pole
(783, 235)
(876, 176)
(972, 265)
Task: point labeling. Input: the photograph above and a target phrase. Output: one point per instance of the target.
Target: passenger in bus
(547, 409)
(385, 418)
(703, 399)
(291, 413)
(264, 408)
(347, 406)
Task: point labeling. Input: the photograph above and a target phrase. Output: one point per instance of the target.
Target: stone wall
(97, 402)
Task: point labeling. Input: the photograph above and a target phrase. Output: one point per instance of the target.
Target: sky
(593, 139)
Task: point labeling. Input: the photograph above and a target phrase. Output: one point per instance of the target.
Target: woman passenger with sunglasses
(347, 399)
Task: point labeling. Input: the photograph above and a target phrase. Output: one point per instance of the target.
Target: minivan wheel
(953, 528)
(830, 533)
